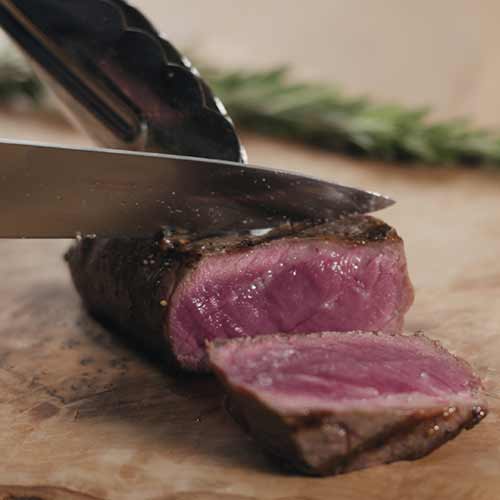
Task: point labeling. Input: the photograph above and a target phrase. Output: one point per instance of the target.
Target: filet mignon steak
(345, 275)
(335, 402)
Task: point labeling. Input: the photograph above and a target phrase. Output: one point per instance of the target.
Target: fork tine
(123, 83)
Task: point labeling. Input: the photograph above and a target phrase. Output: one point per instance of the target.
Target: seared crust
(353, 230)
(127, 283)
(123, 284)
(322, 444)
(327, 443)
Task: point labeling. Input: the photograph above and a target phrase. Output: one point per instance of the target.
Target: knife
(54, 192)
(130, 89)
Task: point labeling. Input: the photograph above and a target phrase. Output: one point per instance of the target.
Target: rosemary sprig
(268, 102)
(322, 115)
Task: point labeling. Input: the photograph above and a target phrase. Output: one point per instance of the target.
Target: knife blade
(54, 192)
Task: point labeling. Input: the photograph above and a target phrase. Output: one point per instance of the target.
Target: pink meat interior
(332, 370)
(289, 286)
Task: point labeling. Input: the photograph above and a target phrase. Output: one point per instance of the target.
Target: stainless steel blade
(53, 192)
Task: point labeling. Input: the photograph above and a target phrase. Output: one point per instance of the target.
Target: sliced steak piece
(343, 275)
(334, 402)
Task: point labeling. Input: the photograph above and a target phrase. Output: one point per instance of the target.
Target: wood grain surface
(82, 417)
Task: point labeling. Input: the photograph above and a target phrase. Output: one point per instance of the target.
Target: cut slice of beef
(335, 402)
(343, 275)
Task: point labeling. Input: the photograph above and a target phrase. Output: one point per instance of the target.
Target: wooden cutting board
(82, 417)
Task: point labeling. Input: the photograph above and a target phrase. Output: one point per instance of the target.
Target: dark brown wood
(41, 493)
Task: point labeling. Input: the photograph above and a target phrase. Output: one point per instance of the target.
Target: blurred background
(443, 53)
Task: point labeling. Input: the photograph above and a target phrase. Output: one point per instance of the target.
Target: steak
(173, 296)
(330, 403)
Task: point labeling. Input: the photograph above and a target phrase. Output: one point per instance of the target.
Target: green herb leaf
(270, 103)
